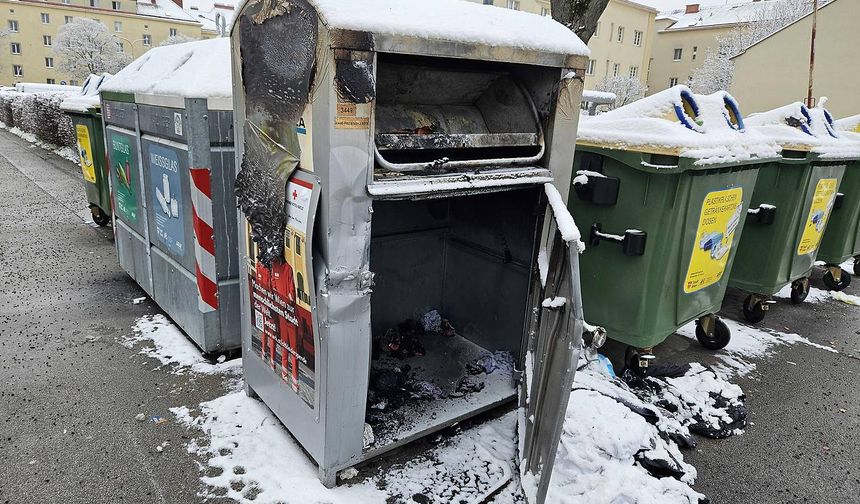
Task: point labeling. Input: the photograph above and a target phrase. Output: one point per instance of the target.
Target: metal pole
(809, 98)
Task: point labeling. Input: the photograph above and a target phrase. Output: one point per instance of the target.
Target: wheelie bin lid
(836, 145)
(707, 129)
(850, 124)
(165, 76)
(88, 99)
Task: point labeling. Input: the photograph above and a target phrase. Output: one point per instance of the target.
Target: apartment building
(775, 71)
(684, 37)
(534, 6)
(31, 27)
(622, 42)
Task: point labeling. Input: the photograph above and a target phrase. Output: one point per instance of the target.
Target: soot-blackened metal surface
(279, 40)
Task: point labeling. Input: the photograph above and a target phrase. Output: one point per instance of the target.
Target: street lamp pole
(809, 99)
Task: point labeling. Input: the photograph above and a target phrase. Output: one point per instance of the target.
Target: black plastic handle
(632, 241)
(837, 203)
(765, 214)
(599, 190)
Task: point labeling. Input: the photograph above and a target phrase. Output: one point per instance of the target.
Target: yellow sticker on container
(85, 151)
(819, 213)
(721, 214)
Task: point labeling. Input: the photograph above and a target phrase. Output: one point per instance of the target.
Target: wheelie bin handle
(632, 241)
(764, 214)
(837, 203)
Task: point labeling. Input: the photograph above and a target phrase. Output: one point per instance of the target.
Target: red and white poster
(282, 320)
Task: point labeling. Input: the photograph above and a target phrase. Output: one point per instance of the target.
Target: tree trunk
(581, 16)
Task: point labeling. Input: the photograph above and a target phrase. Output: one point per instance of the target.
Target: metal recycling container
(85, 113)
(800, 191)
(169, 131)
(395, 203)
(663, 198)
(841, 240)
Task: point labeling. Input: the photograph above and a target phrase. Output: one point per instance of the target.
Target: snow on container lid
(834, 145)
(849, 124)
(199, 69)
(790, 126)
(449, 21)
(708, 129)
(88, 99)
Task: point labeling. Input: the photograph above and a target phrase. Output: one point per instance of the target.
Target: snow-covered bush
(626, 89)
(176, 39)
(23, 112)
(6, 98)
(38, 114)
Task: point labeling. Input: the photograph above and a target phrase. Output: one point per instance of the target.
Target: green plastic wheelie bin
(800, 191)
(841, 241)
(660, 223)
(85, 113)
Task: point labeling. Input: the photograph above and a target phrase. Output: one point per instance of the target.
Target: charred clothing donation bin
(85, 112)
(802, 191)
(397, 161)
(841, 240)
(169, 131)
(664, 185)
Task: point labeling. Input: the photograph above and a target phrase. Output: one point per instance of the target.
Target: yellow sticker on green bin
(85, 152)
(715, 235)
(819, 212)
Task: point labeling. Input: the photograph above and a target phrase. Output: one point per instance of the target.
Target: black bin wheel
(718, 339)
(799, 290)
(100, 218)
(631, 360)
(831, 282)
(754, 311)
(857, 266)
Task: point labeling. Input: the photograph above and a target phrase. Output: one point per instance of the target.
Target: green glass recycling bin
(841, 240)
(779, 247)
(91, 151)
(660, 237)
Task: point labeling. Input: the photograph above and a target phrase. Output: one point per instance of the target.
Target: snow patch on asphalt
(166, 343)
(64, 152)
(749, 344)
(816, 295)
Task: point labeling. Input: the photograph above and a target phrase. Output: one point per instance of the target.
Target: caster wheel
(831, 282)
(754, 310)
(799, 290)
(857, 266)
(100, 218)
(718, 339)
(633, 358)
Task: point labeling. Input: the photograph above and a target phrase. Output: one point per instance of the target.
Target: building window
(677, 54)
(173, 32)
(488, 2)
(67, 2)
(591, 65)
(673, 81)
(94, 3)
(50, 81)
(544, 11)
(73, 82)
(120, 47)
(116, 5)
(637, 38)
(695, 50)
(16, 47)
(616, 67)
(298, 245)
(147, 39)
(13, 26)
(620, 37)
(49, 62)
(597, 30)
(46, 40)
(634, 72)
(514, 4)
(46, 18)
(67, 19)
(117, 26)
(18, 70)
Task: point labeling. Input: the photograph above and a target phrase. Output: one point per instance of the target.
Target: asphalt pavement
(69, 392)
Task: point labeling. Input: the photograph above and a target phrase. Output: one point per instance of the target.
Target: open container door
(554, 336)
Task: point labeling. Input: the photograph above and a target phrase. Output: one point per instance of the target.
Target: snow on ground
(64, 152)
(165, 342)
(749, 344)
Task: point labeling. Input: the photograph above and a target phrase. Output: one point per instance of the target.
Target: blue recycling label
(167, 198)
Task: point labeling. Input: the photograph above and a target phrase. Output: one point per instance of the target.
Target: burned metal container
(396, 169)
(169, 135)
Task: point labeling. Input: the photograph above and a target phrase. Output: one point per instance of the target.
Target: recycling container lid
(708, 129)
(835, 144)
(167, 75)
(88, 99)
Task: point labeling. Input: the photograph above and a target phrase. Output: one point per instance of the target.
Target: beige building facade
(775, 71)
(26, 51)
(622, 43)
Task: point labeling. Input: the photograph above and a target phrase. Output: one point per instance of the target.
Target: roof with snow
(452, 21)
(710, 16)
(206, 11)
(163, 9)
(199, 69)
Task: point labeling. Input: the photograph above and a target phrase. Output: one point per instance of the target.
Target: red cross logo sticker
(295, 194)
